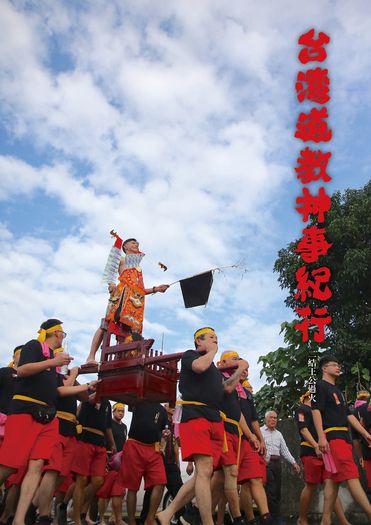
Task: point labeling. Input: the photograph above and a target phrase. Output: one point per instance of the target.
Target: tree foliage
(348, 228)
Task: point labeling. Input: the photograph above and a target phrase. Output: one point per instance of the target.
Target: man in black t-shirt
(331, 416)
(142, 458)
(95, 420)
(31, 431)
(201, 427)
(8, 376)
(119, 429)
(311, 457)
(363, 414)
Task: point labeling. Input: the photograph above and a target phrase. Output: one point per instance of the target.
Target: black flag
(196, 290)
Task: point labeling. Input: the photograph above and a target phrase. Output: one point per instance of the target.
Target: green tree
(348, 228)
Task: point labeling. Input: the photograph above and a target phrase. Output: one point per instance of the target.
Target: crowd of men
(60, 444)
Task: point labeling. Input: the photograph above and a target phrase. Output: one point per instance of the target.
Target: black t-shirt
(330, 401)
(248, 409)
(231, 408)
(148, 422)
(304, 419)
(206, 387)
(66, 404)
(97, 417)
(120, 432)
(8, 378)
(364, 416)
(41, 386)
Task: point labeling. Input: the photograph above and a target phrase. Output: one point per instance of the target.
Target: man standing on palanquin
(125, 311)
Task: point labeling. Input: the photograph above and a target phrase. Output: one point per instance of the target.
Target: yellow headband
(227, 354)
(50, 330)
(304, 396)
(119, 406)
(17, 352)
(362, 394)
(203, 331)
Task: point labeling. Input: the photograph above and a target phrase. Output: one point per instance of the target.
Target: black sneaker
(62, 514)
(44, 520)
(31, 514)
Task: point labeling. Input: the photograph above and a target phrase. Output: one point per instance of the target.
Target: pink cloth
(240, 389)
(329, 462)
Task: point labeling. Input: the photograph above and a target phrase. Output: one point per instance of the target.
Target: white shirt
(276, 445)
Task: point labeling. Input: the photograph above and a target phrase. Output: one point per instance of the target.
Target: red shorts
(230, 457)
(16, 478)
(140, 460)
(252, 464)
(343, 457)
(89, 459)
(66, 483)
(27, 439)
(367, 463)
(63, 455)
(314, 469)
(111, 487)
(200, 436)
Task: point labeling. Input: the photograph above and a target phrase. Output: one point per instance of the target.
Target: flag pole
(201, 273)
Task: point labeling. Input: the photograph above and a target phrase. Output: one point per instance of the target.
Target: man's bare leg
(203, 474)
(259, 495)
(46, 491)
(131, 503)
(28, 489)
(95, 344)
(305, 499)
(339, 511)
(11, 501)
(117, 510)
(5, 473)
(154, 502)
(78, 497)
(230, 490)
(246, 501)
(330, 494)
(185, 495)
(222, 503)
(359, 496)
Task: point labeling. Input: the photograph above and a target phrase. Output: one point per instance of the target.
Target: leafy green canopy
(348, 228)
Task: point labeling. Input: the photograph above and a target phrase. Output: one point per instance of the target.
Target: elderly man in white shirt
(276, 447)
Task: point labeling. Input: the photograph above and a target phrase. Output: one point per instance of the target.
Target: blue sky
(172, 122)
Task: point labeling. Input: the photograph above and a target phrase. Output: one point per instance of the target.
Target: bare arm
(65, 391)
(259, 435)
(360, 429)
(231, 383)
(322, 440)
(202, 363)
(247, 432)
(70, 380)
(309, 438)
(30, 369)
(110, 440)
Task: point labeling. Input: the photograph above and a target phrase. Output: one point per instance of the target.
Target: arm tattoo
(233, 378)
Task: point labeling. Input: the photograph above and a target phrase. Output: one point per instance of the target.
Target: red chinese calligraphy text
(316, 287)
(313, 204)
(314, 50)
(313, 126)
(313, 85)
(320, 319)
(312, 244)
(312, 165)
